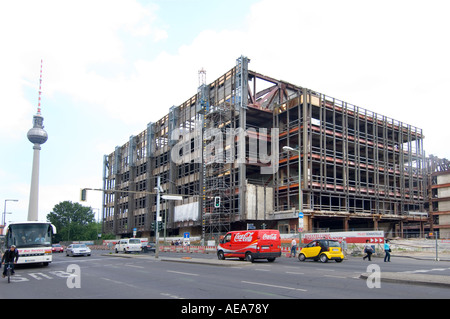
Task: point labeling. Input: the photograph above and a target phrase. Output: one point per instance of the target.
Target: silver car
(78, 250)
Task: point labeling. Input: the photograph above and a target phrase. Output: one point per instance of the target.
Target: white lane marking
(273, 286)
(182, 273)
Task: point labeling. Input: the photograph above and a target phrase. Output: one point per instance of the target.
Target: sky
(111, 66)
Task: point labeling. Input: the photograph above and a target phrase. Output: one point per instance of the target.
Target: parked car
(323, 250)
(57, 248)
(78, 250)
(128, 245)
(148, 247)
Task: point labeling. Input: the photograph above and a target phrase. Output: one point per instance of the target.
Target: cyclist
(10, 256)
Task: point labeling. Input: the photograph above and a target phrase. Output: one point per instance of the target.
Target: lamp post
(300, 192)
(4, 211)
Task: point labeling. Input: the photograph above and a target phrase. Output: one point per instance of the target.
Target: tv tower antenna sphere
(37, 135)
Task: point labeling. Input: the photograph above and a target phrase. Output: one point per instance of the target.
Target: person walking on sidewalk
(368, 250)
(387, 250)
(293, 247)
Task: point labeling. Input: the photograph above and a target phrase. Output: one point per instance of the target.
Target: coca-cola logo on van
(269, 236)
(246, 237)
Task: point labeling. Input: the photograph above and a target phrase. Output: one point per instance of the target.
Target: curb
(412, 279)
(429, 258)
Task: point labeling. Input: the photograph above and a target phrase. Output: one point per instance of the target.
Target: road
(103, 276)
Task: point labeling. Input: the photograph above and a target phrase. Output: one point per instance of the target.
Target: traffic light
(83, 195)
(217, 201)
(157, 226)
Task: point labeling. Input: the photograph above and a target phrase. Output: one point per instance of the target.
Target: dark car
(148, 247)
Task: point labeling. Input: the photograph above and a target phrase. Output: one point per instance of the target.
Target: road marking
(439, 269)
(332, 276)
(182, 273)
(119, 282)
(129, 265)
(295, 273)
(273, 286)
(74, 261)
(262, 269)
(171, 296)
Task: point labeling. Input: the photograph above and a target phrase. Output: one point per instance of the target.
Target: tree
(73, 222)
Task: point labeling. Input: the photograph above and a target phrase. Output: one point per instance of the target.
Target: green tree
(73, 222)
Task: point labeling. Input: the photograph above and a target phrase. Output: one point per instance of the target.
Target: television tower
(36, 135)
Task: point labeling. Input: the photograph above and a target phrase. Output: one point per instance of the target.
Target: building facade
(439, 196)
(224, 151)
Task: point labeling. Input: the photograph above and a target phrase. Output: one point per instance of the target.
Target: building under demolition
(247, 149)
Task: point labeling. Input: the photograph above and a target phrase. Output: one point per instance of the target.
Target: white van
(128, 245)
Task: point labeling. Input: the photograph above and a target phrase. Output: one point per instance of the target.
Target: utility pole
(158, 218)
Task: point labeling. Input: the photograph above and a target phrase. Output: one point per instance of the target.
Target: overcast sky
(111, 66)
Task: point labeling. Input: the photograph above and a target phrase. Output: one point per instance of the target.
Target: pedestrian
(344, 246)
(293, 247)
(368, 250)
(387, 250)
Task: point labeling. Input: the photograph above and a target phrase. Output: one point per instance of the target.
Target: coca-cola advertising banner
(351, 237)
(249, 236)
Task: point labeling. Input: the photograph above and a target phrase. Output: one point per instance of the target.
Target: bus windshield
(29, 235)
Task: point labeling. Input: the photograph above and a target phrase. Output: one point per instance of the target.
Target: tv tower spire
(36, 135)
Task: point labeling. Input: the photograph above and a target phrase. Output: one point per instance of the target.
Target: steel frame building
(359, 169)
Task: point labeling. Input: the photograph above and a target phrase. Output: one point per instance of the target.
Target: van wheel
(116, 251)
(220, 255)
(338, 260)
(323, 258)
(249, 257)
(301, 257)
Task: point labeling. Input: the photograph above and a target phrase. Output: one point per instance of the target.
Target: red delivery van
(251, 245)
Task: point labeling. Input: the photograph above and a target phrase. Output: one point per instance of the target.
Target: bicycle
(9, 271)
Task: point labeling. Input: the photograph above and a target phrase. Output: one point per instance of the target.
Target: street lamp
(300, 192)
(4, 211)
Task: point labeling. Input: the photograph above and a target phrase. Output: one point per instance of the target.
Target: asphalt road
(110, 277)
